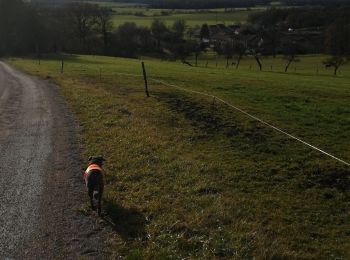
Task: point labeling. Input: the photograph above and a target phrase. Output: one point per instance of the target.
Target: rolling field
(190, 177)
(192, 19)
(144, 16)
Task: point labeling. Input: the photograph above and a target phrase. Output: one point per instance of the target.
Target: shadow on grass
(336, 178)
(212, 118)
(129, 223)
(72, 58)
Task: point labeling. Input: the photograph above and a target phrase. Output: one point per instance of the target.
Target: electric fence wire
(245, 113)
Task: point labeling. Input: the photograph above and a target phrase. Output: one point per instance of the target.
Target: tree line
(207, 4)
(84, 28)
(333, 24)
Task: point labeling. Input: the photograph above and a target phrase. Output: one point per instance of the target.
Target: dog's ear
(90, 158)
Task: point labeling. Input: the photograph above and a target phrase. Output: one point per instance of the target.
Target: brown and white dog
(94, 179)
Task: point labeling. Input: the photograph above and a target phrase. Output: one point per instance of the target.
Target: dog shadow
(129, 223)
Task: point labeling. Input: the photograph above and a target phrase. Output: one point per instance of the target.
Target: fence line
(253, 117)
(242, 111)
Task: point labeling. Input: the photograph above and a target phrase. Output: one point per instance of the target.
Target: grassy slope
(189, 179)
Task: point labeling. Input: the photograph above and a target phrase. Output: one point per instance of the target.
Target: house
(218, 32)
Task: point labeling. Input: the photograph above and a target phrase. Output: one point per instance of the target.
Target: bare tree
(337, 43)
(84, 21)
(290, 51)
(239, 49)
(336, 62)
(104, 21)
(254, 48)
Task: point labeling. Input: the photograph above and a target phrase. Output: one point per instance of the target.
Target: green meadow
(144, 16)
(190, 177)
(192, 19)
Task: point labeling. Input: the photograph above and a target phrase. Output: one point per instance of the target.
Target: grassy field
(192, 19)
(192, 178)
(144, 16)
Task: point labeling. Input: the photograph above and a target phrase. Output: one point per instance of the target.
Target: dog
(94, 180)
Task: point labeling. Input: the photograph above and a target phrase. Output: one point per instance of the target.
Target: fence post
(39, 58)
(62, 65)
(145, 78)
(213, 106)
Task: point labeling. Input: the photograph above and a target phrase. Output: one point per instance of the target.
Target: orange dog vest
(93, 167)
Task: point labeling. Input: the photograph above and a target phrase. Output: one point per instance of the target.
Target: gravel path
(41, 187)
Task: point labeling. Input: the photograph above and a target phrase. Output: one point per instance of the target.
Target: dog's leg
(99, 201)
(91, 195)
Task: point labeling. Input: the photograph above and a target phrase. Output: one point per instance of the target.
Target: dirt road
(40, 187)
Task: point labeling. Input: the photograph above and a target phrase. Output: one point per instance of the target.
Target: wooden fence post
(145, 78)
(62, 65)
(213, 106)
(39, 58)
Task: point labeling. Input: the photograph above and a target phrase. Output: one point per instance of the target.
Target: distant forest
(209, 4)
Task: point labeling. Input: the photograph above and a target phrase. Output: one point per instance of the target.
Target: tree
(239, 50)
(290, 51)
(104, 22)
(336, 62)
(254, 48)
(226, 49)
(337, 43)
(84, 21)
(158, 30)
(145, 40)
(126, 40)
(20, 28)
(61, 38)
(271, 38)
(204, 32)
(179, 27)
(198, 48)
(189, 47)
